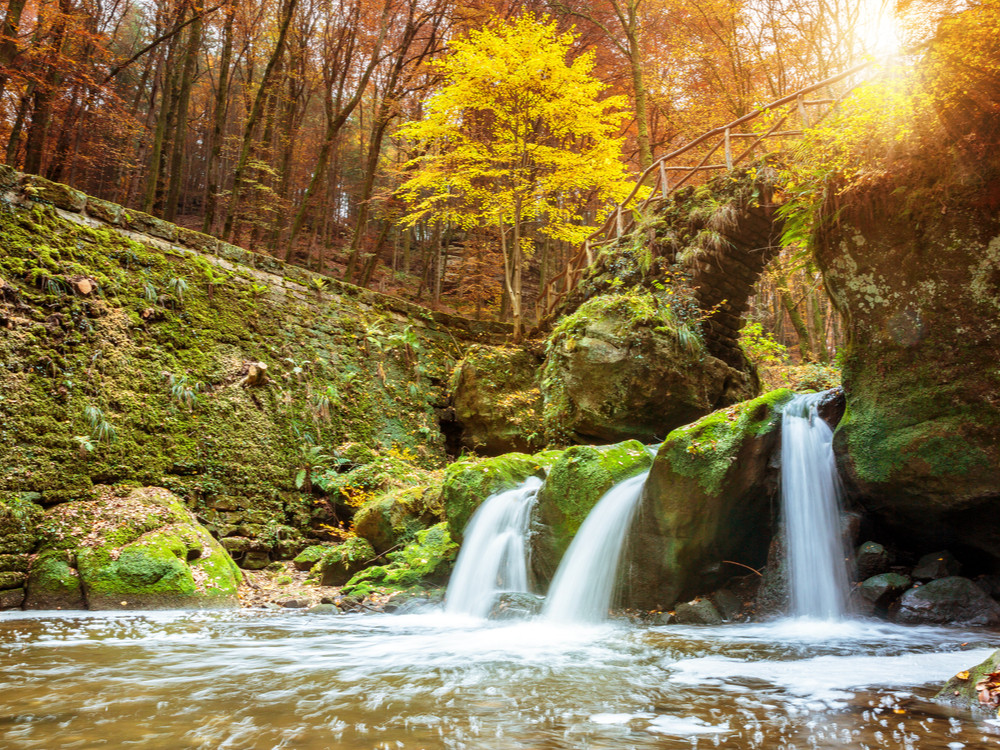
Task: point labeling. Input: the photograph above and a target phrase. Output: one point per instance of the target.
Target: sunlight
(879, 29)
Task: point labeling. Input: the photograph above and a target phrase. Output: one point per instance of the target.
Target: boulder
(141, 551)
(469, 481)
(396, 516)
(728, 604)
(575, 483)
(937, 565)
(708, 500)
(883, 589)
(11, 599)
(497, 402)
(948, 601)
(19, 520)
(621, 367)
(972, 689)
(870, 559)
(912, 262)
(516, 605)
(338, 564)
(697, 612)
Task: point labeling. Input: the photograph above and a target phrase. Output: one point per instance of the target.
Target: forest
(498, 375)
(305, 129)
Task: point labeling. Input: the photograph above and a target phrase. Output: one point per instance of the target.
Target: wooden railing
(725, 137)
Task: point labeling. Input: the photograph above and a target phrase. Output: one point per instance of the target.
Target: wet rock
(709, 497)
(936, 565)
(661, 618)
(295, 604)
(965, 689)
(516, 605)
(871, 559)
(497, 400)
(948, 601)
(882, 589)
(697, 612)
(340, 563)
(831, 407)
(324, 609)
(578, 479)
(728, 604)
(619, 368)
(773, 596)
(11, 599)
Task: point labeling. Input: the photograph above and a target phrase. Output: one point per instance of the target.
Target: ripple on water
(262, 680)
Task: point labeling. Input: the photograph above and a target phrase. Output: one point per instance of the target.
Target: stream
(259, 679)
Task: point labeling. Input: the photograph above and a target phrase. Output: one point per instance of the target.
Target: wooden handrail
(615, 225)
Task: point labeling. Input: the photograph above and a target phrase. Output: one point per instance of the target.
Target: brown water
(262, 680)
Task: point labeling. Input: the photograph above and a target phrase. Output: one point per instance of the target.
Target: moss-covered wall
(126, 354)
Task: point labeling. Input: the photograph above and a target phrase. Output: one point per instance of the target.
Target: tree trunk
(218, 122)
(254, 117)
(8, 45)
(180, 119)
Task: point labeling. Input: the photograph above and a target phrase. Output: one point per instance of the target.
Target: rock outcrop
(910, 255)
(624, 367)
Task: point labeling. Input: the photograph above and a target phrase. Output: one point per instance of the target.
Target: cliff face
(911, 256)
(134, 351)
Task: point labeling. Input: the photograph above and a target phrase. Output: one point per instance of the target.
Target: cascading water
(494, 555)
(810, 493)
(584, 582)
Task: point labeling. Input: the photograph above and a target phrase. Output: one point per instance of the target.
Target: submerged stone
(516, 605)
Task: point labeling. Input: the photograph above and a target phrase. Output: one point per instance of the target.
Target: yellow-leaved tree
(517, 133)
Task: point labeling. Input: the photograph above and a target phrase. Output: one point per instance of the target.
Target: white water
(810, 493)
(585, 580)
(494, 555)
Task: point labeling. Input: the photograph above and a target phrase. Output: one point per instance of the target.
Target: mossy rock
(54, 582)
(708, 499)
(144, 550)
(59, 195)
(469, 481)
(338, 564)
(425, 562)
(495, 391)
(623, 367)
(397, 516)
(912, 262)
(961, 690)
(575, 483)
(19, 520)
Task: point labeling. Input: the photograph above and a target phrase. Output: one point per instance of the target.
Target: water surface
(263, 680)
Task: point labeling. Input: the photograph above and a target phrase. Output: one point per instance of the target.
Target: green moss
(580, 477)
(961, 689)
(425, 561)
(469, 481)
(706, 449)
(54, 582)
(336, 565)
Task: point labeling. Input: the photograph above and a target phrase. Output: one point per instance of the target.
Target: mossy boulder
(336, 565)
(497, 400)
(963, 689)
(426, 561)
(469, 481)
(396, 516)
(708, 499)
(910, 254)
(623, 366)
(141, 550)
(576, 481)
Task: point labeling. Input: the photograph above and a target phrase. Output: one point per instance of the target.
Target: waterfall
(810, 494)
(494, 555)
(585, 580)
